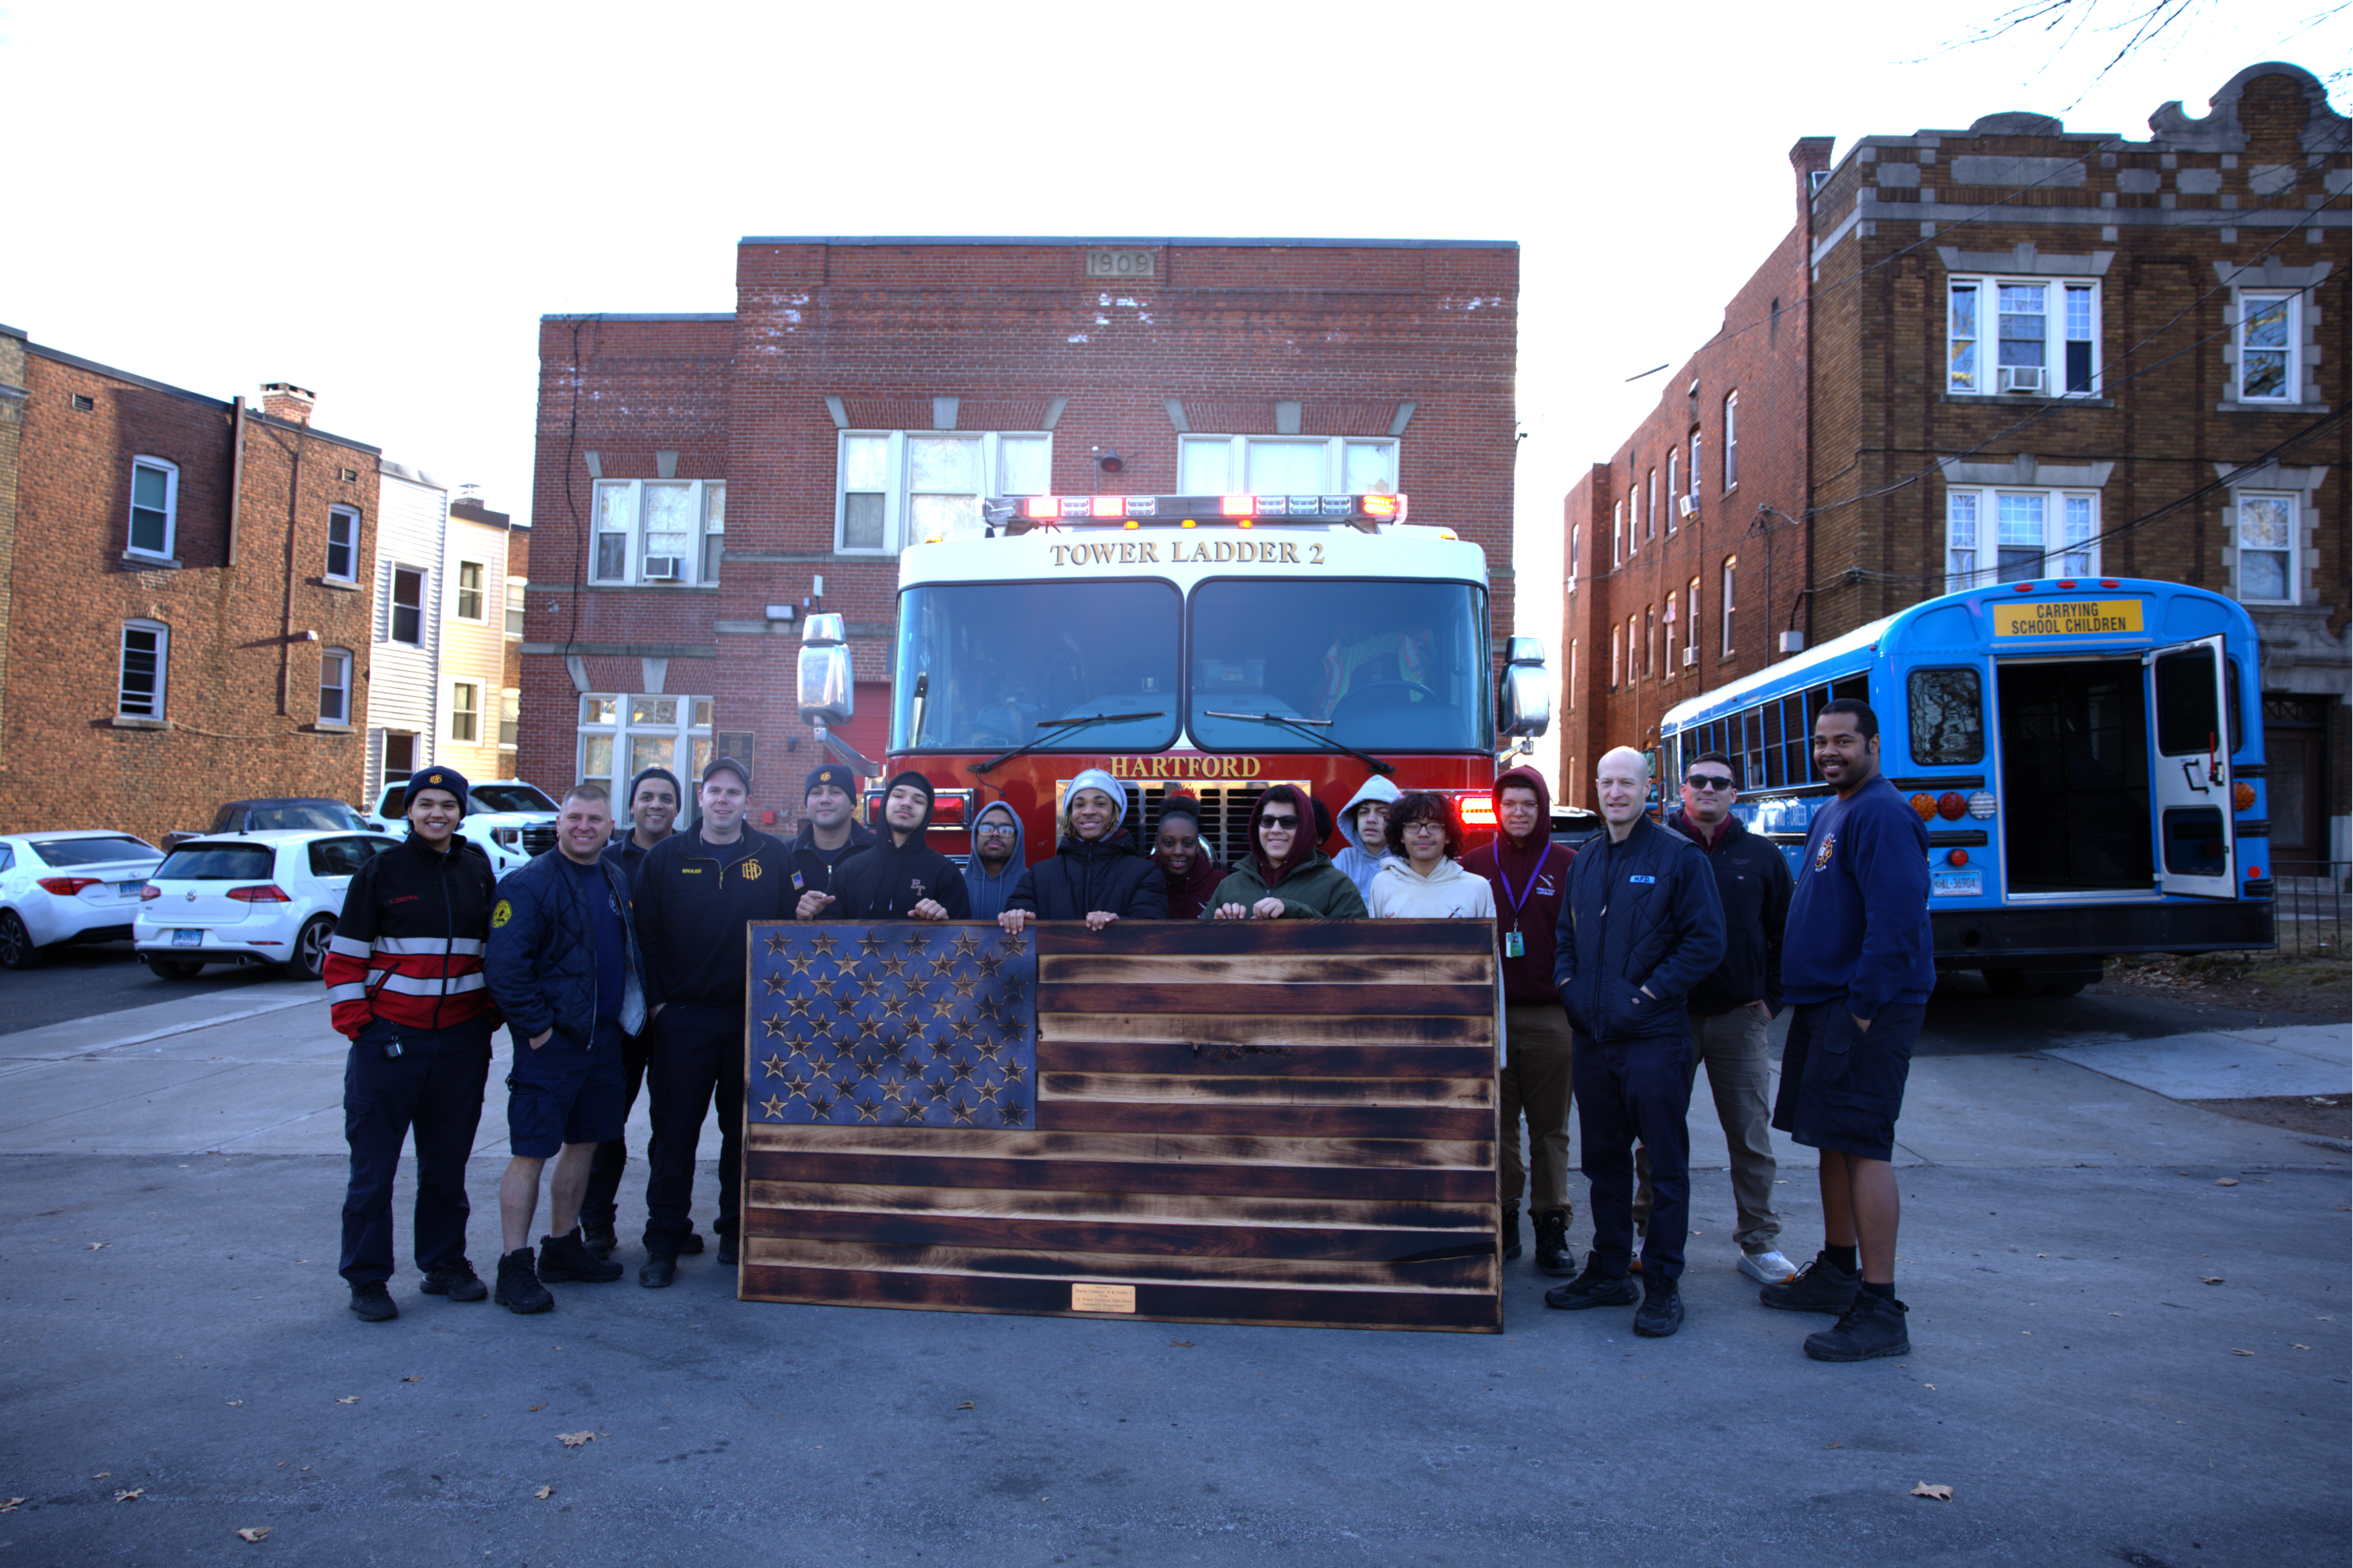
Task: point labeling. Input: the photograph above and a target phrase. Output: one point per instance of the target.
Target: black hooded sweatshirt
(814, 870)
(887, 882)
(1108, 874)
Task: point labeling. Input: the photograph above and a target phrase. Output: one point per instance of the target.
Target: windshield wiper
(1055, 731)
(1301, 726)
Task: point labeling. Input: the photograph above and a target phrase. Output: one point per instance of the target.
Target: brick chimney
(1811, 155)
(284, 400)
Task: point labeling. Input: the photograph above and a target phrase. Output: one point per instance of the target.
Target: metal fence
(2309, 907)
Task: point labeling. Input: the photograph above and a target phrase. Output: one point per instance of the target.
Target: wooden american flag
(1284, 1122)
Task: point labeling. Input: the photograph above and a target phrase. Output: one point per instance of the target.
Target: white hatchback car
(69, 887)
(510, 820)
(250, 898)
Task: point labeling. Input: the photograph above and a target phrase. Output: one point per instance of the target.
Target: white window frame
(171, 508)
(518, 593)
(627, 501)
(1617, 534)
(1698, 449)
(1570, 689)
(1616, 664)
(466, 704)
(481, 594)
(1973, 529)
(898, 483)
(2294, 500)
(1336, 458)
(1691, 619)
(1650, 506)
(1983, 378)
(2291, 385)
(1727, 592)
(331, 662)
(689, 734)
(392, 605)
(1633, 665)
(157, 704)
(350, 517)
(1732, 439)
(1674, 457)
(1667, 622)
(510, 716)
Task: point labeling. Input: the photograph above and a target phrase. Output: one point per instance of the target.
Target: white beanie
(1092, 778)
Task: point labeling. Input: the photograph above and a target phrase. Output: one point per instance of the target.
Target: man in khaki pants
(1730, 1008)
(1529, 874)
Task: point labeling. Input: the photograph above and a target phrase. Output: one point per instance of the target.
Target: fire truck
(1208, 645)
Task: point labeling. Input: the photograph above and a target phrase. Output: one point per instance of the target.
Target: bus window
(2238, 737)
(1946, 712)
(2185, 702)
(1856, 687)
(1796, 750)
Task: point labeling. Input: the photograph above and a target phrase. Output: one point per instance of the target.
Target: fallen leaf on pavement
(2226, 1181)
(412, 1380)
(575, 1439)
(133, 1495)
(2042, 1255)
(2116, 1314)
(1941, 1494)
(1180, 1344)
(2210, 1278)
(543, 1493)
(11, 1504)
(541, 1405)
(967, 1405)
(256, 1532)
(2300, 1347)
(96, 1245)
(1929, 1387)
(236, 1402)
(101, 1475)
(1834, 1445)
(348, 1399)
(2242, 1352)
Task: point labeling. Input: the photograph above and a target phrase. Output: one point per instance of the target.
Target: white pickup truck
(513, 821)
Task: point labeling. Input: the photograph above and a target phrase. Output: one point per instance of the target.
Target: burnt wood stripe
(1192, 939)
(1247, 1029)
(1170, 1148)
(1271, 1001)
(1118, 1208)
(1173, 1089)
(1413, 1122)
(1357, 968)
(1453, 1273)
(1310, 1062)
(1190, 1303)
(1184, 1241)
(1444, 1185)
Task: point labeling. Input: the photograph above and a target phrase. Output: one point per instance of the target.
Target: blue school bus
(2080, 751)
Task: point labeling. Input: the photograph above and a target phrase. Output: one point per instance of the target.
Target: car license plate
(128, 890)
(1957, 884)
(183, 936)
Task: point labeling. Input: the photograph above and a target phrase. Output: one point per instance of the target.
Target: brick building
(192, 624)
(697, 473)
(2026, 351)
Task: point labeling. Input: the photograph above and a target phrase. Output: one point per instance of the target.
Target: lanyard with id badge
(1515, 944)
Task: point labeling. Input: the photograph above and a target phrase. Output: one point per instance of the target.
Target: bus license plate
(1957, 884)
(183, 936)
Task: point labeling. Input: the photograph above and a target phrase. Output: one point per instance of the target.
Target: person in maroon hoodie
(1529, 873)
(1184, 860)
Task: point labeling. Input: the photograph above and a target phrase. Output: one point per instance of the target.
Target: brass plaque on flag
(1102, 1297)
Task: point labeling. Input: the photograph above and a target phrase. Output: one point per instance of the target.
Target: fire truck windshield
(1006, 663)
(1393, 666)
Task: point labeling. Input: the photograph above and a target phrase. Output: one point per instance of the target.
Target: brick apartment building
(696, 473)
(2009, 352)
(183, 614)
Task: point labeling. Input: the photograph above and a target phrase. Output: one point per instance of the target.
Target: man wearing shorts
(563, 966)
(1857, 964)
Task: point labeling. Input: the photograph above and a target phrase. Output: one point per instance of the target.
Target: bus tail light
(1981, 804)
(1957, 858)
(1951, 807)
(1924, 804)
(2242, 796)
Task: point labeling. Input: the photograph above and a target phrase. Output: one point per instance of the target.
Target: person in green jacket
(1285, 875)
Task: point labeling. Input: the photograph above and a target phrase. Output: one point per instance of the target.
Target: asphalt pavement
(2129, 1320)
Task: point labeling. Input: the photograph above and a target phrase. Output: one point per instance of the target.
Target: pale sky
(378, 202)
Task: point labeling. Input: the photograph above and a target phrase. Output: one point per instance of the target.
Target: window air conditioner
(1685, 506)
(2022, 378)
(661, 569)
(1691, 657)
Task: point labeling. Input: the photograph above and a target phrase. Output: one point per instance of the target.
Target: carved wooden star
(796, 1086)
(966, 944)
(869, 1111)
(776, 941)
(774, 1065)
(820, 1108)
(896, 1006)
(941, 1049)
(845, 1001)
(963, 1069)
(1012, 1112)
(773, 1023)
(1014, 942)
(774, 982)
(800, 962)
(869, 944)
(822, 942)
(868, 1065)
(911, 1116)
(1013, 1070)
(966, 985)
(963, 1113)
(895, 1090)
(990, 962)
(891, 964)
(773, 1107)
(800, 1005)
(990, 1046)
(940, 1091)
(868, 1029)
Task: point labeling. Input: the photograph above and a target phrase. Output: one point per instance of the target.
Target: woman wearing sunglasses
(1285, 875)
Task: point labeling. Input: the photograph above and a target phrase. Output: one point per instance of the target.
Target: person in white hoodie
(1364, 822)
(1422, 878)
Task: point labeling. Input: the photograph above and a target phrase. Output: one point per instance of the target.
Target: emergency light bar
(1020, 514)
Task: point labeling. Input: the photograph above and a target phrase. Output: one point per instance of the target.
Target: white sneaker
(1767, 1268)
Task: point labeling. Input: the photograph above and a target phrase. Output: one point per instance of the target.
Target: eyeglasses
(994, 830)
(1424, 827)
(1285, 823)
(1704, 780)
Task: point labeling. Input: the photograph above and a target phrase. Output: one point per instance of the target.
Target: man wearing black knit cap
(695, 895)
(831, 834)
(900, 878)
(652, 803)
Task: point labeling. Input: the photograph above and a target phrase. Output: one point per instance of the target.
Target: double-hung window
(2023, 335)
(897, 488)
(515, 591)
(406, 622)
(154, 508)
(1617, 533)
(335, 687)
(633, 733)
(1731, 567)
(343, 545)
(145, 658)
(1615, 659)
(1651, 503)
(470, 590)
(1285, 465)
(1674, 488)
(1994, 535)
(466, 712)
(1731, 439)
(2269, 333)
(1695, 469)
(654, 530)
(1673, 601)
(2265, 538)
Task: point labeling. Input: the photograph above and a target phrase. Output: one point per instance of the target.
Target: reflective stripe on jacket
(408, 949)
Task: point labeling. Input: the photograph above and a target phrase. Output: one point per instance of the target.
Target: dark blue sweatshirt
(1858, 922)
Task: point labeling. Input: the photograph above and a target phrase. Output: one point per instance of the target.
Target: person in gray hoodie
(1364, 822)
(997, 860)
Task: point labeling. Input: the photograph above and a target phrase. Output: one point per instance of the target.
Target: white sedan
(250, 898)
(69, 887)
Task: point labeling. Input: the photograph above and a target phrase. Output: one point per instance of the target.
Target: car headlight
(507, 837)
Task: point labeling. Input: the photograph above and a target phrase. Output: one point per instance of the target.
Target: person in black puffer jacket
(1097, 873)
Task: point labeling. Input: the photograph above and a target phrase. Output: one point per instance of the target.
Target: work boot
(454, 1278)
(1554, 1254)
(372, 1302)
(1507, 1232)
(596, 1234)
(1662, 1311)
(1820, 1285)
(691, 1243)
(1593, 1288)
(567, 1257)
(658, 1270)
(519, 1287)
(1872, 1327)
(727, 1250)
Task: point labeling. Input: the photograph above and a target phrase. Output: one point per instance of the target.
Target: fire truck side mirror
(826, 692)
(1526, 696)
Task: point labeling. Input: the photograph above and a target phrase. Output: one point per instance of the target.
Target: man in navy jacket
(1639, 926)
(1858, 964)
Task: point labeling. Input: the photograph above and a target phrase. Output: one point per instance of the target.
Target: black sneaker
(372, 1303)
(1872, 1327)
(658, 1270)
(1663, 1308)
(454, 1278)
(1554, 1254)
(519, 1287)
(1820, 1285)
(1507, 1232)
(567, 1257)
(597, 1236)
(1593, 1288)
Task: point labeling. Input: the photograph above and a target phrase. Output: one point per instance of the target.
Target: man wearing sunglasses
(1729, 1009)
(1285, 875)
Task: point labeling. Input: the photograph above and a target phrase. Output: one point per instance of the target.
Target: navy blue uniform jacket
(541, 963)
(1642, 912)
